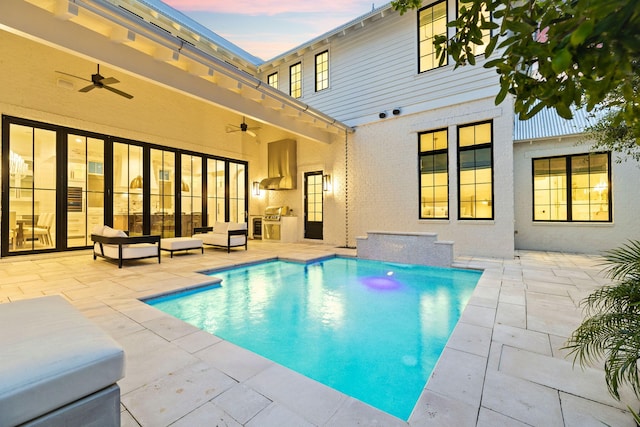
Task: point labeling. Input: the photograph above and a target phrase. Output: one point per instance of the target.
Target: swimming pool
(369, 329)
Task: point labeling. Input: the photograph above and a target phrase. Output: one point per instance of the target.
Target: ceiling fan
(100, 82)
(244, 127)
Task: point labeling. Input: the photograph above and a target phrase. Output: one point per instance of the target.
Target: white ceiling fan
(244, 127)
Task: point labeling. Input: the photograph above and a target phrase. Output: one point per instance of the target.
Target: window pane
(322, 71)
(295, 80)
(475, 171)
(589, 193)
(486, 34)
(272, 80)
(432, 22)
(434, 181)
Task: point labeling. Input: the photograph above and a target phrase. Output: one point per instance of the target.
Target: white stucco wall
(574, 237)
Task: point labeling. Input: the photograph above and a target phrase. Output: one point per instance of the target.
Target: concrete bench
(173, 244)
(58, 368)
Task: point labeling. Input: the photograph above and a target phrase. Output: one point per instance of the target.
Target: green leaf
(581, 33)
(561, 61)
(504, 90)
(564, 111)
(490, 46)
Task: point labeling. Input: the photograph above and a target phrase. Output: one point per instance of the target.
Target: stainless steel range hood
(282, 165)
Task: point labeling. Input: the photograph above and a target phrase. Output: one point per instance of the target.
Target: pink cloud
(273, 7)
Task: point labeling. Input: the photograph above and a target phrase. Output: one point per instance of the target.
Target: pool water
(369, 329)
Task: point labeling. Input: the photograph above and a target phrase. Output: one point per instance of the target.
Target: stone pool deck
(503, 366)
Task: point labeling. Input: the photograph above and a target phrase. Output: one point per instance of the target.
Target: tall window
(434, 175)
(272, 80)
(322, 70)
(572, 188)
(432, 21)
(475, 171)
(486, 34)
(295, 80)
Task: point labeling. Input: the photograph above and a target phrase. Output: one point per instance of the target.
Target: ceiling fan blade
(87, 88)
(119, 92)
(109, 81)
(251, 133)
(73, 75)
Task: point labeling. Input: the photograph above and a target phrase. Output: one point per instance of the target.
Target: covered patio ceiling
(167, 54)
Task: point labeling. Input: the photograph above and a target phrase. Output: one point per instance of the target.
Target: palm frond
(623, 261)
(611, 330)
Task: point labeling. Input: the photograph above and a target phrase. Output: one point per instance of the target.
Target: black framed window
(486, 34)
(322, 71)
(475, 171)
(272, 80)
(432, 21)
(434, 174)
(574, 188)
(295, 80)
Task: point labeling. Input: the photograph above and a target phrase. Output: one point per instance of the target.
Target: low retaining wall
(405, 247)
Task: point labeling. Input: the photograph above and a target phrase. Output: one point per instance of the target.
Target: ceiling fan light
(243, 127)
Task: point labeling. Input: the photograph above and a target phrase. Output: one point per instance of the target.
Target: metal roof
(196, 27)
(548, 124)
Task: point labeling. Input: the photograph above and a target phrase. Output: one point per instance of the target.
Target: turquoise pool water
(369, 329)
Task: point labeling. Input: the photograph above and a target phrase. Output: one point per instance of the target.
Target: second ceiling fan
(244, 127)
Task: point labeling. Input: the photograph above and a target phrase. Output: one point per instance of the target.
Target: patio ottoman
(58, 368)
(173, 244)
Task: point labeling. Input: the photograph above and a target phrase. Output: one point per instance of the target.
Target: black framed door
(313, 206)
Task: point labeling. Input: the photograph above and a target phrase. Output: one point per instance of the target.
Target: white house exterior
(192, 87)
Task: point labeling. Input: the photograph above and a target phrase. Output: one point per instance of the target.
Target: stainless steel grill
(271, 222)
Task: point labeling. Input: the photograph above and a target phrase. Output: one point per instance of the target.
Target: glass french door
(32, 189)
(128, 188)
(190, 193)
(59, 184)
(85, 188)
(313, 207)
(216, 173)
(163, 193)
(237, 192)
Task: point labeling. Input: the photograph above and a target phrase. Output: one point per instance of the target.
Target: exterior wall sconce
(256, 188)
(326, 182)
(396, 111)
(382, 115)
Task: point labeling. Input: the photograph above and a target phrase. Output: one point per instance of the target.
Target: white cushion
(237, 226)
(51, 356)
(220, 228)
(221, 239)
(112, 232)
(137, 250)
(98, 229)
(177, 243)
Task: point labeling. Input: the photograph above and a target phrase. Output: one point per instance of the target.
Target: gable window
(432, 21)
(434, 175)
(322, 71)
(486, 34)
(295, 80)
(475, 171)
(272, 80)
(572, 188)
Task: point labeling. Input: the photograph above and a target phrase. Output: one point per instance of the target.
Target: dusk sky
(266, 28)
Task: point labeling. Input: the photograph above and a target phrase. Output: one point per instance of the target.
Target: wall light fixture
(326, 182)
(256, 188)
